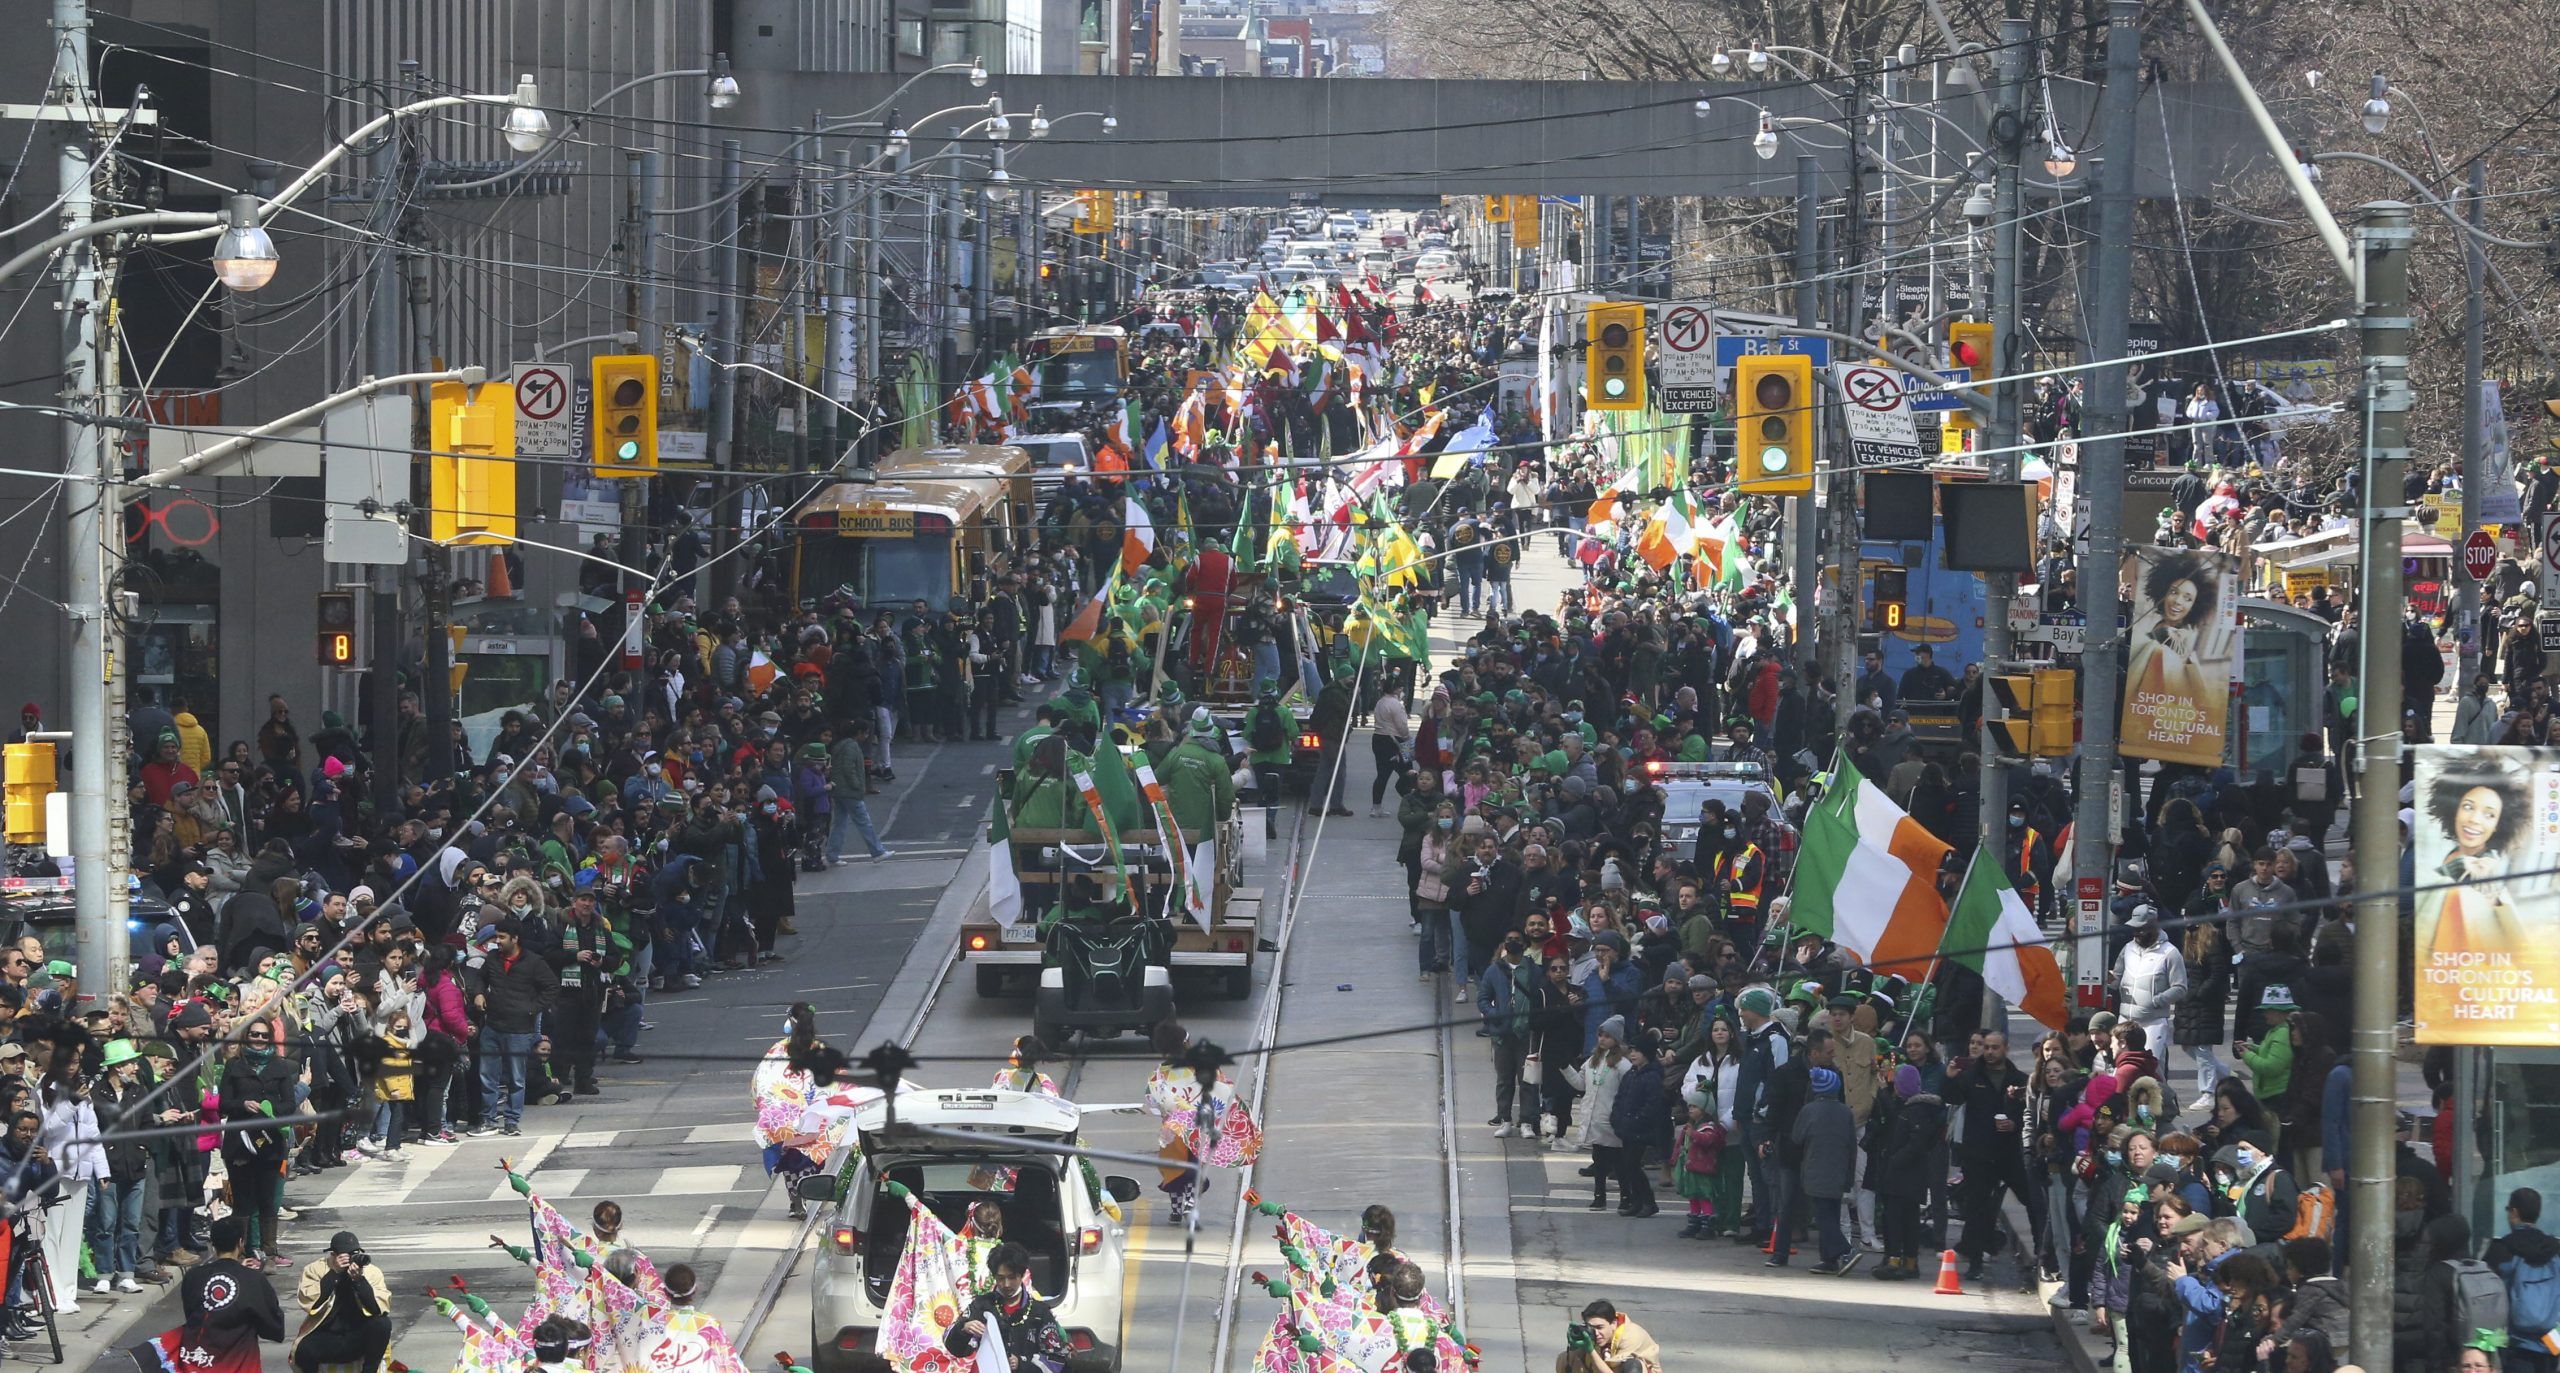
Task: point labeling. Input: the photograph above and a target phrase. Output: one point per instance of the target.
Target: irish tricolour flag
(1992, 932)
(1867, 878)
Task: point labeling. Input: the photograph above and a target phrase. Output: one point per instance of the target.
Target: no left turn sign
(1872, 388)
(1687, 329)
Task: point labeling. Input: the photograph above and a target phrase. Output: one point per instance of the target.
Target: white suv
(953, 1149)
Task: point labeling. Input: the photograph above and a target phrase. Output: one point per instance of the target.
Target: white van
(954, 1149)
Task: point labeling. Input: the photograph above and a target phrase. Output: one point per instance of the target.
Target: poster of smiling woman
(2184, 635)
(2487, 834)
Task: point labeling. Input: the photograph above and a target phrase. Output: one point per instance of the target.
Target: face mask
(1631, 784)
(1448, 824)
(2112, 1156)
(2246, 1158)
(435, 832)
(1731, 833)
(520, 907)
(2017, 822)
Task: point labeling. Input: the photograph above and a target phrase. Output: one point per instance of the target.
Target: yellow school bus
(932, 526)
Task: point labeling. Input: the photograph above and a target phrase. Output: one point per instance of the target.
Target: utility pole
(2002, 433)
(383, 356)
(1800, 528)
(982, 272)
(2466, 588)
(723, 419)
(2101, 483)
(641, 166)
(841, 323)
(93, 517)
(2382, 238)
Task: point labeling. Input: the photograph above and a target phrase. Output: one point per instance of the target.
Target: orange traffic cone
(1949, 1285)
(501, 586)
(1770, 1245)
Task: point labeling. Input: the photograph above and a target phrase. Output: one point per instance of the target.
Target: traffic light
(2551, 410)
(2057, 713)
(1773, 423)
(2013, 727)
(1613, 365)
(1097, 212)
(30, 779)
(2038, 715)
(624, 393)
(337, 629)
(1969, 346)
(1526, 229)
(472, 434)
(1891, 600)
(1497, 209)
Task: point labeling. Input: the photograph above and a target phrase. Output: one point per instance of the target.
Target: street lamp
(1765, 142)
(724, 87)
(977, 71)
(1758, 59)
(1721, 64)
(528, 129)
(1039, 121)
(2059, 160)
(2377, 110)
(244, 257)
(1700, 108)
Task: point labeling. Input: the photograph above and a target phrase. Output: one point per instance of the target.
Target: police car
(1687, 787)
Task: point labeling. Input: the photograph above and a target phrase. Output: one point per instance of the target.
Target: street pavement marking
(732, 1132)
(559, 1182)
(588, 1139)
(697, 1182)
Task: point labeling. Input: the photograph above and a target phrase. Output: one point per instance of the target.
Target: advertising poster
(2183, 642)
(2488, 908)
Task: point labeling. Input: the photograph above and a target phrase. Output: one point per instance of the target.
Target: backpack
(2315, 1213)
(2533, 1296)
(1268, 733)
(2479, 1298)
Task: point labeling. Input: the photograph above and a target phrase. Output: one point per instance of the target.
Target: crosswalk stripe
(682, 1182)
(588, 1139)
(729, 1132)
(555, 1182)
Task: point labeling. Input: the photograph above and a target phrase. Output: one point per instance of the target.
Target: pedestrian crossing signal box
(1890, 603)
(337, 629)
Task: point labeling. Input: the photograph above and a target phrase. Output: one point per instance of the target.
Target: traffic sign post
(1684, 359)
(546, 406)
(635, 607)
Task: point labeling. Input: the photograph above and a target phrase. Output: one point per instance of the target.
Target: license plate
(1024, 933)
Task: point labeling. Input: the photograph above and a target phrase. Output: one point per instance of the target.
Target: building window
(911, 37)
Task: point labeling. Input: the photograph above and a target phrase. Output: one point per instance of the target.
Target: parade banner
(2487, 837)
(2185, 637)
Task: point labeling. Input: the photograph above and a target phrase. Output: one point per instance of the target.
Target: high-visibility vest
(2026, 860)
(1737, 896)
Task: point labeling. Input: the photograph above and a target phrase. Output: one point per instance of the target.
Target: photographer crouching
(347, 1309)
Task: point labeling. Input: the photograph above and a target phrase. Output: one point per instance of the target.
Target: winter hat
(1758, 1001)
(1824, 1081)
(2276, 997)
(1700, 982)
(1615, 1027)
(332, 769)
(1906, 1082)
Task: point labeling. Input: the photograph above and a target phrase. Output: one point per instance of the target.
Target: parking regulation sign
(1876, 409)
(1685, 360)
(546, 410)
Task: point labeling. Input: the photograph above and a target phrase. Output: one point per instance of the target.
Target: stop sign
(2479, 555)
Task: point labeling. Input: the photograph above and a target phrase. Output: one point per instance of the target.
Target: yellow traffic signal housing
(1526, 230)
(2013, 727)
(472, 435)
(1497, 209)
(1773, 424)
(30, 779)
(623, 391)
(1613, 365)
(1097, 212)
(2057, 713)
(1969, 346)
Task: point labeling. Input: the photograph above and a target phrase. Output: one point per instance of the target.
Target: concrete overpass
(1212, 141)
